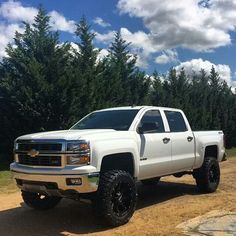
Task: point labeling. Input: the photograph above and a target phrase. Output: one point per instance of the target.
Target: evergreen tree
(45, 85)
(85, 69)
(157, 90)
(126, 85)
(34, 83)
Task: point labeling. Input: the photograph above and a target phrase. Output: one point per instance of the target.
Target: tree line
(46, 85)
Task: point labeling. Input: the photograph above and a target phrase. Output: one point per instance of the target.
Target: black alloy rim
(213, 174)
(121, 198)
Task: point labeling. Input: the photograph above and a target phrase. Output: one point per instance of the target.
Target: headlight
(78, 160)
(78, 153)
(77, 146)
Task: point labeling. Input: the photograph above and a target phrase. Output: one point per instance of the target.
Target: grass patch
(7, 183)
(231, 152)
(6, 180)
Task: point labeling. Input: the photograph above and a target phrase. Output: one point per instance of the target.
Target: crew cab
(106, 153)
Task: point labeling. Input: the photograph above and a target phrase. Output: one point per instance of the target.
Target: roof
(135, 108)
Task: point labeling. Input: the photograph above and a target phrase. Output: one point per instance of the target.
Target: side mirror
(148, 127)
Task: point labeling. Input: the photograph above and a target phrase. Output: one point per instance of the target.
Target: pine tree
(126, 85)
(157, 92)
(85, 71)
(45, 85)
(34, 82)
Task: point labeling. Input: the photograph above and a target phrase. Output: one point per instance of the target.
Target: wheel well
(211, 151)
(118, 161)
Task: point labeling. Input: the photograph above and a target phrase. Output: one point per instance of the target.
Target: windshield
(113, 119)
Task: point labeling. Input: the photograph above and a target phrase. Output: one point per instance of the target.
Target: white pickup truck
(103, 156)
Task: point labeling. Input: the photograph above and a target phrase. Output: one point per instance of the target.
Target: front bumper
(54, 183)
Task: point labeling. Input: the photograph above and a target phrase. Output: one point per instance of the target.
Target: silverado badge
(33, 153)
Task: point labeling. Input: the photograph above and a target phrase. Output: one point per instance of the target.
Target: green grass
(231, 152)
(6, 178)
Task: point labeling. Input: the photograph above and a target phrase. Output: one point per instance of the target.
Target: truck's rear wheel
(116, 199)
(208, 176)
(40, 201)
(152, 181)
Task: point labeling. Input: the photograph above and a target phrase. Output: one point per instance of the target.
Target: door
(155, 146)
(182, 140)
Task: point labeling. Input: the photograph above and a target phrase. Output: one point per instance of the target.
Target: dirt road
(160, 209)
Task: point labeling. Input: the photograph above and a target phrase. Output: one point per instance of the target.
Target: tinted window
(153, 116)
(114, 119)
(176, 121)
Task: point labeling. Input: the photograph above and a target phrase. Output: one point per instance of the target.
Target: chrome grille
(38, 152)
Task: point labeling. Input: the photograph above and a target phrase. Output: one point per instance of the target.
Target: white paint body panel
(151, 157)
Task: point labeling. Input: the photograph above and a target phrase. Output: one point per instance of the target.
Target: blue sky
(188, 33)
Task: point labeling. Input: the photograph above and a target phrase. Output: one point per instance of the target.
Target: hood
(65, 134)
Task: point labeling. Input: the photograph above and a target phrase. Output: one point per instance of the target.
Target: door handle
(189, 138)
(166, 140)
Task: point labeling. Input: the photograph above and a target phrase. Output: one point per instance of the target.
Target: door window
(152, 121)
(176, 121)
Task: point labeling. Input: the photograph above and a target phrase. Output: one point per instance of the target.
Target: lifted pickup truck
(103, 156)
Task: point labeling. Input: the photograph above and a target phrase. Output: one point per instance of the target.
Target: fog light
(74, 181)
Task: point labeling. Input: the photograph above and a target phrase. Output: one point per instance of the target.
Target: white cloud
(101, 22)
(7, 33)
(194, 66)
(139, 40)
(12, 14)
(142, 61)
(14, 11)
(105, 38)
(184, 23)
(103, 53)
(59, 22)
(162, 59)
(167, 56)
(140, 44)
(74, 48)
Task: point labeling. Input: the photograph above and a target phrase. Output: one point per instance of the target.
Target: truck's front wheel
(208, 176)
(40, 201)
(116, 200)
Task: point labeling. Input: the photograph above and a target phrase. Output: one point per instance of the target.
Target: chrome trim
(63, 152)
(63, 161)
(39, 140)
(51, 141)
(90, 175)
(89, 181)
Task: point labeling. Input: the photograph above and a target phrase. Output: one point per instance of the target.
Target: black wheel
(208, 176)
(116, 197)
(40, 201)
(152, 181)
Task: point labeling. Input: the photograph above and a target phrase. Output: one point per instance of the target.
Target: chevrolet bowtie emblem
(33, 153)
